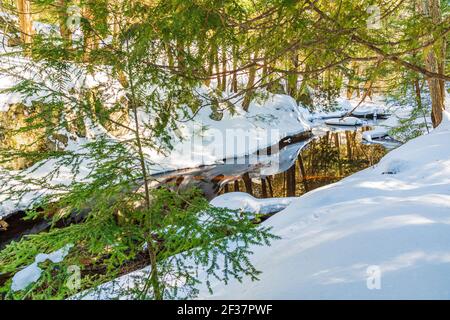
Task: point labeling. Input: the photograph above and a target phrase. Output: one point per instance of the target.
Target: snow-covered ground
(391, 221)
(382, 233)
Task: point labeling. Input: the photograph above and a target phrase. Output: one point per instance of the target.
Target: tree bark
(290, 181)
(234, 81)
(224, 68)
(250, 84)
(25, 20)
(419, 101)
(264, 187)
(248, 183)
(303, 172)
(236, 185)
(269, 183)
(349, 145)
(63, 17)
(434, 61)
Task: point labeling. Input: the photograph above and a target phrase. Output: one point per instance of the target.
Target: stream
(303, 163)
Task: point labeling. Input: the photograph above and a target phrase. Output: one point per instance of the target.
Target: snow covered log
(247, 203)
(347, 121)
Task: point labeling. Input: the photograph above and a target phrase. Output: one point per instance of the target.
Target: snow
(343, 106)
(375, 134)
(204, 141)
(32, 273)
(247, 203)
(382, 233)
(199, 140)
(394, 217)
(347, 121)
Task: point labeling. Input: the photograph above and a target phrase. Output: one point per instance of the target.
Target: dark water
(301, 167)
(298, 167)
(323, 161)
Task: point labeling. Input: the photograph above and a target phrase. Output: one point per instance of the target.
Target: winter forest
(224, 149)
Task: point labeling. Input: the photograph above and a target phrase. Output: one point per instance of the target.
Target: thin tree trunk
(217, 65)
(269, 183)
(150, 245)
(248, 183)
(234, 84)
(236, 185)
(353, 84)
(63, 17)
(303, 172)
(290, 181)
(250, 84)
(293, 78)
(180, 54)
(170, 59)
(264, 187)
(210, 65)
(349, 145)
(419, 101)
(338, 146)
(89, 37)
(224, 68)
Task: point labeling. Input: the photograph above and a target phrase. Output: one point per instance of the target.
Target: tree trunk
(236, 185)
(224, 68)
(248, 183)
(264, 187)
(234, 81)
(303, 172)
(25, 20)
(349, 145)
(290, 181)
(217, 63)
(434, 61)
(250, 84)
(338, 147)
(293, 78)
(353, 84)
(63, 17)
(90, 41)
(269, 183)
(419, 101)
(210, 65)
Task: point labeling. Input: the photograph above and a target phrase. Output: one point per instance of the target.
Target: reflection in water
(323, 161)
